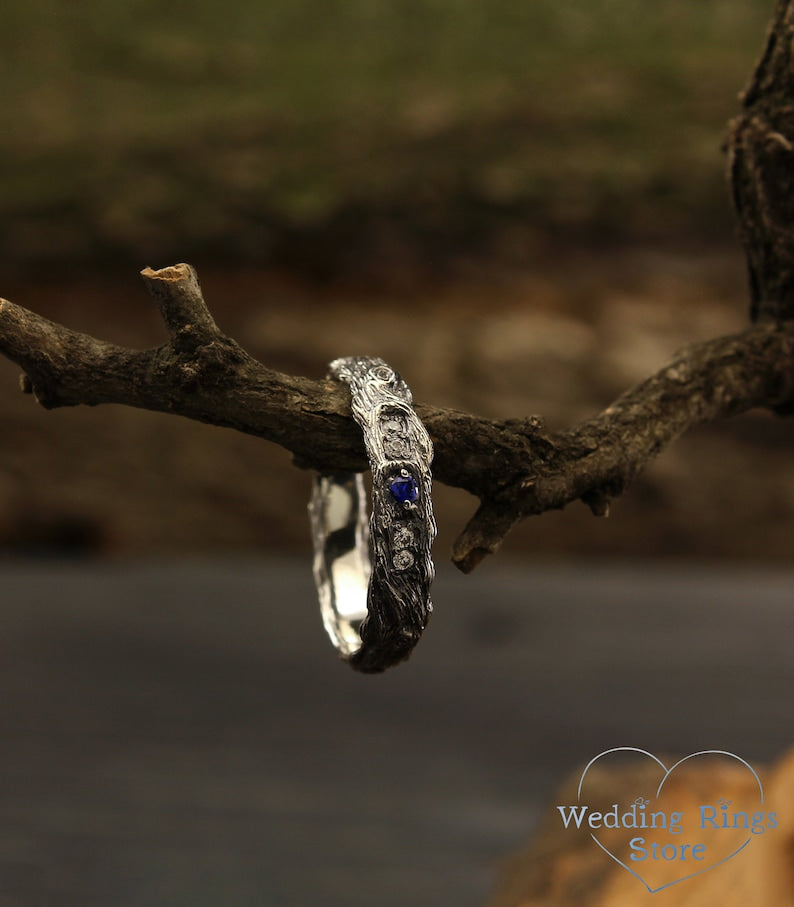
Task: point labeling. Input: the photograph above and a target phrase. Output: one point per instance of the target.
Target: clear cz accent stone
(402, 560)
(403, 536)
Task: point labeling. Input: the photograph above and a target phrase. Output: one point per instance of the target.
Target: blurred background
(523, 208)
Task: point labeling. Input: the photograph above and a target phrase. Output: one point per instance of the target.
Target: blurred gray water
(182, 734)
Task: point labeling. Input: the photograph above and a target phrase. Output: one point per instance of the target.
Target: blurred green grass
(145, 129)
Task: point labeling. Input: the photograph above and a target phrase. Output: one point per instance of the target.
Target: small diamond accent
(402, 560)
(403, 536)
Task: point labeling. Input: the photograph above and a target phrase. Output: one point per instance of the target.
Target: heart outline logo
(667, 772)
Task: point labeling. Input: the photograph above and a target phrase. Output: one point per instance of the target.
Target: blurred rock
(565, 868)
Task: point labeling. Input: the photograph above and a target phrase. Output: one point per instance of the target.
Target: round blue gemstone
(404, 489)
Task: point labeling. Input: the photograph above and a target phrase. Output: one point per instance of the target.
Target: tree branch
(761, 172)
(514, 466)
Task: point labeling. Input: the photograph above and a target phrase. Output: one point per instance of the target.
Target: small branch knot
(598, 502)
(177, 292)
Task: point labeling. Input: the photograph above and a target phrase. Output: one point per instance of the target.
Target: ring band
(375, 612)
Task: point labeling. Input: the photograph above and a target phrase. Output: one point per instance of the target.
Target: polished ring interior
(376, 607)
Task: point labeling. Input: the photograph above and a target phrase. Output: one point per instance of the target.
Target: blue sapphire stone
(404, 489)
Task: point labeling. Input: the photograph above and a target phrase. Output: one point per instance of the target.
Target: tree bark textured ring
(375, 610)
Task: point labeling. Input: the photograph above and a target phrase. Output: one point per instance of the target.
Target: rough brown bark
(761, 172)
(515, 466)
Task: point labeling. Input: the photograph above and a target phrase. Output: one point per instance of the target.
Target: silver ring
(375, 611)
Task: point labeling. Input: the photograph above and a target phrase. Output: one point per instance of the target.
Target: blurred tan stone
(565, 868)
